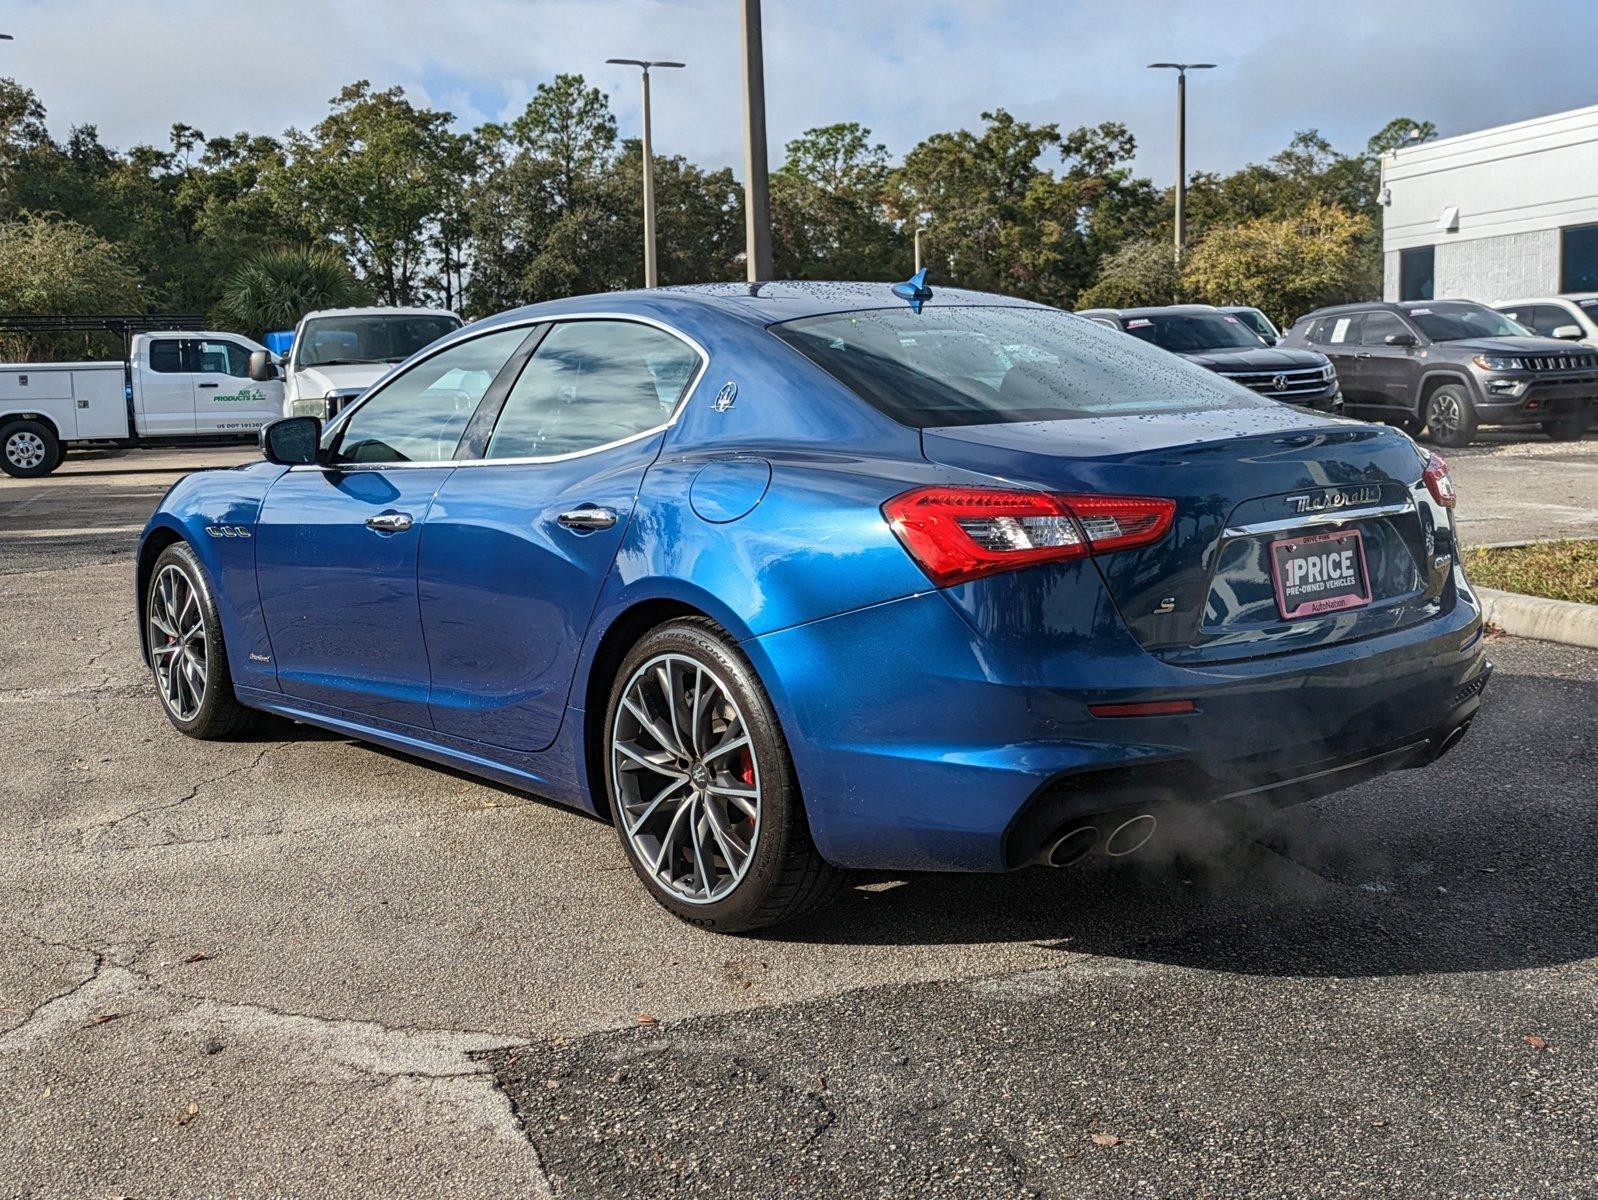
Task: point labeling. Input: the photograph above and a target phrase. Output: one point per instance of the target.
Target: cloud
(906, 68)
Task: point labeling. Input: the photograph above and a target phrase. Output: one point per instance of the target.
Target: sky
(905, 68)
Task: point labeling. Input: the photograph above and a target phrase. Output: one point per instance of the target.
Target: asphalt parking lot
(303, 967)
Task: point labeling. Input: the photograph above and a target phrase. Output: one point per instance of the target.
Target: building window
(1416, 273)
(1578, 259)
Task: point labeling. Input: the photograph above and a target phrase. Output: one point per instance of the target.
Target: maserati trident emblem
(1279, 383)
(1338, 498)
(727, 397)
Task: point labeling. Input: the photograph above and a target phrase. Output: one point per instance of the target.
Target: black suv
(1450, 365)
(1223, 343)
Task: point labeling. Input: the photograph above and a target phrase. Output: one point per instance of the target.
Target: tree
(1285, 265)
(828, 214)
(373, 177)
(1400, 132)
(50, 267)
(1137, 273)
(276, 288)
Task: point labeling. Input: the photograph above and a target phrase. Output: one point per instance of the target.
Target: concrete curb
(1537, 617)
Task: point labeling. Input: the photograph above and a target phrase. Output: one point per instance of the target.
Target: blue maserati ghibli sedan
(791, 578)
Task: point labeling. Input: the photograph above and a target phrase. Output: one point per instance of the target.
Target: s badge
(727, 397)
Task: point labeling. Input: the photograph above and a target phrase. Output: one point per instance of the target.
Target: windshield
(1256, 321)
(981, 366)
(1456, 322)
(1193, 334)
(340, 340)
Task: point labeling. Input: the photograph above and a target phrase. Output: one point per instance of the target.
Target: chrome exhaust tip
(1071, 847)
(1130, 836)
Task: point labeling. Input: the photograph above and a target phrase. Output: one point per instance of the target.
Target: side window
(1378, 326)
(221, 358)
(1545, 318)
(419, 416)
(1344, 331)
(166, 356)
(591, 383)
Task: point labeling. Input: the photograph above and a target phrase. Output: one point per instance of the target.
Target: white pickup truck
(340, 352)
(173, 387)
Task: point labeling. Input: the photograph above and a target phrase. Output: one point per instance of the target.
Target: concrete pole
(919, 232)
(757, 188)
(651, 272)
(1181, 162)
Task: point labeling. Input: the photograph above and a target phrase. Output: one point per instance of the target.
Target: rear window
(984, 366)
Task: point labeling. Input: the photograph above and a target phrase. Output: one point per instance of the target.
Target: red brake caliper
(746, 770)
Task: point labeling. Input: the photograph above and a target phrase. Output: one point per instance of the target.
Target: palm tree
(277, 287)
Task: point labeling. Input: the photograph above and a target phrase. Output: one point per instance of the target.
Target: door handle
(1364, 354)
(389, 522)
(209, 385)
(589, 517)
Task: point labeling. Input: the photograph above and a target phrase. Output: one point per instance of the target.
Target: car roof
(381, 310)
(1157, 310)
(1564, 297)
(1402, 307)
(760, 303)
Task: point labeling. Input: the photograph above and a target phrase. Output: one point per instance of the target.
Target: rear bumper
(917, 749)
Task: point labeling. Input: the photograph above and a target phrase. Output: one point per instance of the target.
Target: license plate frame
(1297, 595)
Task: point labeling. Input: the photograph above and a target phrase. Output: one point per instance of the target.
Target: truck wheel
(1569, 429)
(1450, 416)
(29, 449)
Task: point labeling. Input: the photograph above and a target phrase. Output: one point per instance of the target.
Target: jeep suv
(1226, 345)
(1448, 366)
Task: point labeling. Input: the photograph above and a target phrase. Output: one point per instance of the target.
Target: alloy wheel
(177, 642)
(1444, 416)
(25, 450)
(684, 777)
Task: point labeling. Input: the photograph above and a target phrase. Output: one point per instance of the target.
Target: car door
(1387, 375)
(166, 388)
(1337, 337)
(225, 398)
(519, 543)
(336, 543)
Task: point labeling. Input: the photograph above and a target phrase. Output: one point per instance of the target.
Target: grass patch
(1559, 570)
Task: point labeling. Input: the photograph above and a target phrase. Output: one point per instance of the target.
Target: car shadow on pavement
(1487, 860)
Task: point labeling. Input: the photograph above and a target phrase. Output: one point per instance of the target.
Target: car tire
(703, 794)
(29, 449)
(1569, 429)
(1451, 416)
(186, 654)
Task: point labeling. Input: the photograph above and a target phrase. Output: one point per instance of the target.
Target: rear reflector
(1438, 481)
(1145, 708)
(959, 534)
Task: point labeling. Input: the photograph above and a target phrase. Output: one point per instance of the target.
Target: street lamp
(757, 189)
(1181, 70)
(651, 274)
(920, 229)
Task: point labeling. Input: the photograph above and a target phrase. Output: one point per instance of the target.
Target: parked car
(1449, 366)
(1255, 320)
(173, 387)
(1229, 346)
(1571, 318)
(786, 580)
(337, 353)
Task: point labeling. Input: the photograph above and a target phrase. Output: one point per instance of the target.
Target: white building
(1503, 213)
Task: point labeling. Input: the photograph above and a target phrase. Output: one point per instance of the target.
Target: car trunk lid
(1242, 479)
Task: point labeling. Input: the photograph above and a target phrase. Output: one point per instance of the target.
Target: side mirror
(1569, 333)
(262, 368)
(291, 441)
(1401, 339)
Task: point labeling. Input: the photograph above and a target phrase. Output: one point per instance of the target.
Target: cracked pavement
(302, 967)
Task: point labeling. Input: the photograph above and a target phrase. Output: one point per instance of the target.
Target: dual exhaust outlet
(1113, 837)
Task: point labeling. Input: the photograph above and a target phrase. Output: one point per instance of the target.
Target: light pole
(920, 229)
(651, 274)
(757, 189)
(1181, 70)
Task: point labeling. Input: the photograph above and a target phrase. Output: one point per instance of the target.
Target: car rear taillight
(958, 534)
(1438, 482)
